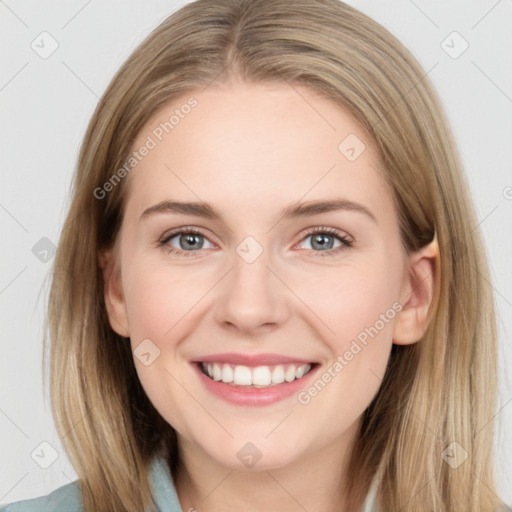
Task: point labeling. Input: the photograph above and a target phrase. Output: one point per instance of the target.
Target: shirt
(67, 498)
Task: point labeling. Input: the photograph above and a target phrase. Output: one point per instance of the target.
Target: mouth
(264, 376)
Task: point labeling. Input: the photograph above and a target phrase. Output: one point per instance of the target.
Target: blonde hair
(437, 391)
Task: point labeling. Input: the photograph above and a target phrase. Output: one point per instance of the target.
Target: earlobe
(113, 295)
(419, 290)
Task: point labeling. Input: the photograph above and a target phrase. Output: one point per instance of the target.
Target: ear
(419, 289)
(113, 294)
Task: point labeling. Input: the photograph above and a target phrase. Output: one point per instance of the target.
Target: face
(290, 257)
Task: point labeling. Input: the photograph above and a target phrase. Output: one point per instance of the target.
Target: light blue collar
(162, 487)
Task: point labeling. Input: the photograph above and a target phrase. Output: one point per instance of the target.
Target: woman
(269, 292)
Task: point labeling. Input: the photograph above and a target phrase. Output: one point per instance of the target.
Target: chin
(256, 455)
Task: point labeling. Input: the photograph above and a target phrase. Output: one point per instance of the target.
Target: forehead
(251, 146)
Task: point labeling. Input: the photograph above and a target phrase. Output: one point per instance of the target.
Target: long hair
(436, 392)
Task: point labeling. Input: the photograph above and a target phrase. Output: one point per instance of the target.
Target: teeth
(217, 372)
(242, 376)
(290, 374)
(260, 376)
(300, 372)
(227, 373)
(278, 374)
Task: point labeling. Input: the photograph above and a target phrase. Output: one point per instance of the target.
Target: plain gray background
(46, 105)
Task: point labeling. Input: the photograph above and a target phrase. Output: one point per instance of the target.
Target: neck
(315, 482)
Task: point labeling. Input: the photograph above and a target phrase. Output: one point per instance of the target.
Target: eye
(323, 241)
(185, 242)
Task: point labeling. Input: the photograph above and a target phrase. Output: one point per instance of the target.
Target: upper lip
(250, 359)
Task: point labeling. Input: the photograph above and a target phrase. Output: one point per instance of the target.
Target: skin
(250, 150)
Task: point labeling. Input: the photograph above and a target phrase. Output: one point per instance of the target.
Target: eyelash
(346, 242)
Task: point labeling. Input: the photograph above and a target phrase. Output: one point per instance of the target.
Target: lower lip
(242, 395)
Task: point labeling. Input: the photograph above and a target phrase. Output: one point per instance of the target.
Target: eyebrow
(307, 209)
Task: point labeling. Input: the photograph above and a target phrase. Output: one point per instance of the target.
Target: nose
(251, 298)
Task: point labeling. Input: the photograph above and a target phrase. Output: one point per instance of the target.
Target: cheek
(160, 302)
(356, 310)
(353, 303)
(160, 308)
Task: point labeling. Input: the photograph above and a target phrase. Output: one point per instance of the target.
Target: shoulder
(64, 499)
(68, 498)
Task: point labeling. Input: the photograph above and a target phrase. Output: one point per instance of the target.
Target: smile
(256, 377)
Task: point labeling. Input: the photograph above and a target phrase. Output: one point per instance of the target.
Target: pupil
(190, 240)
(322, 241)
